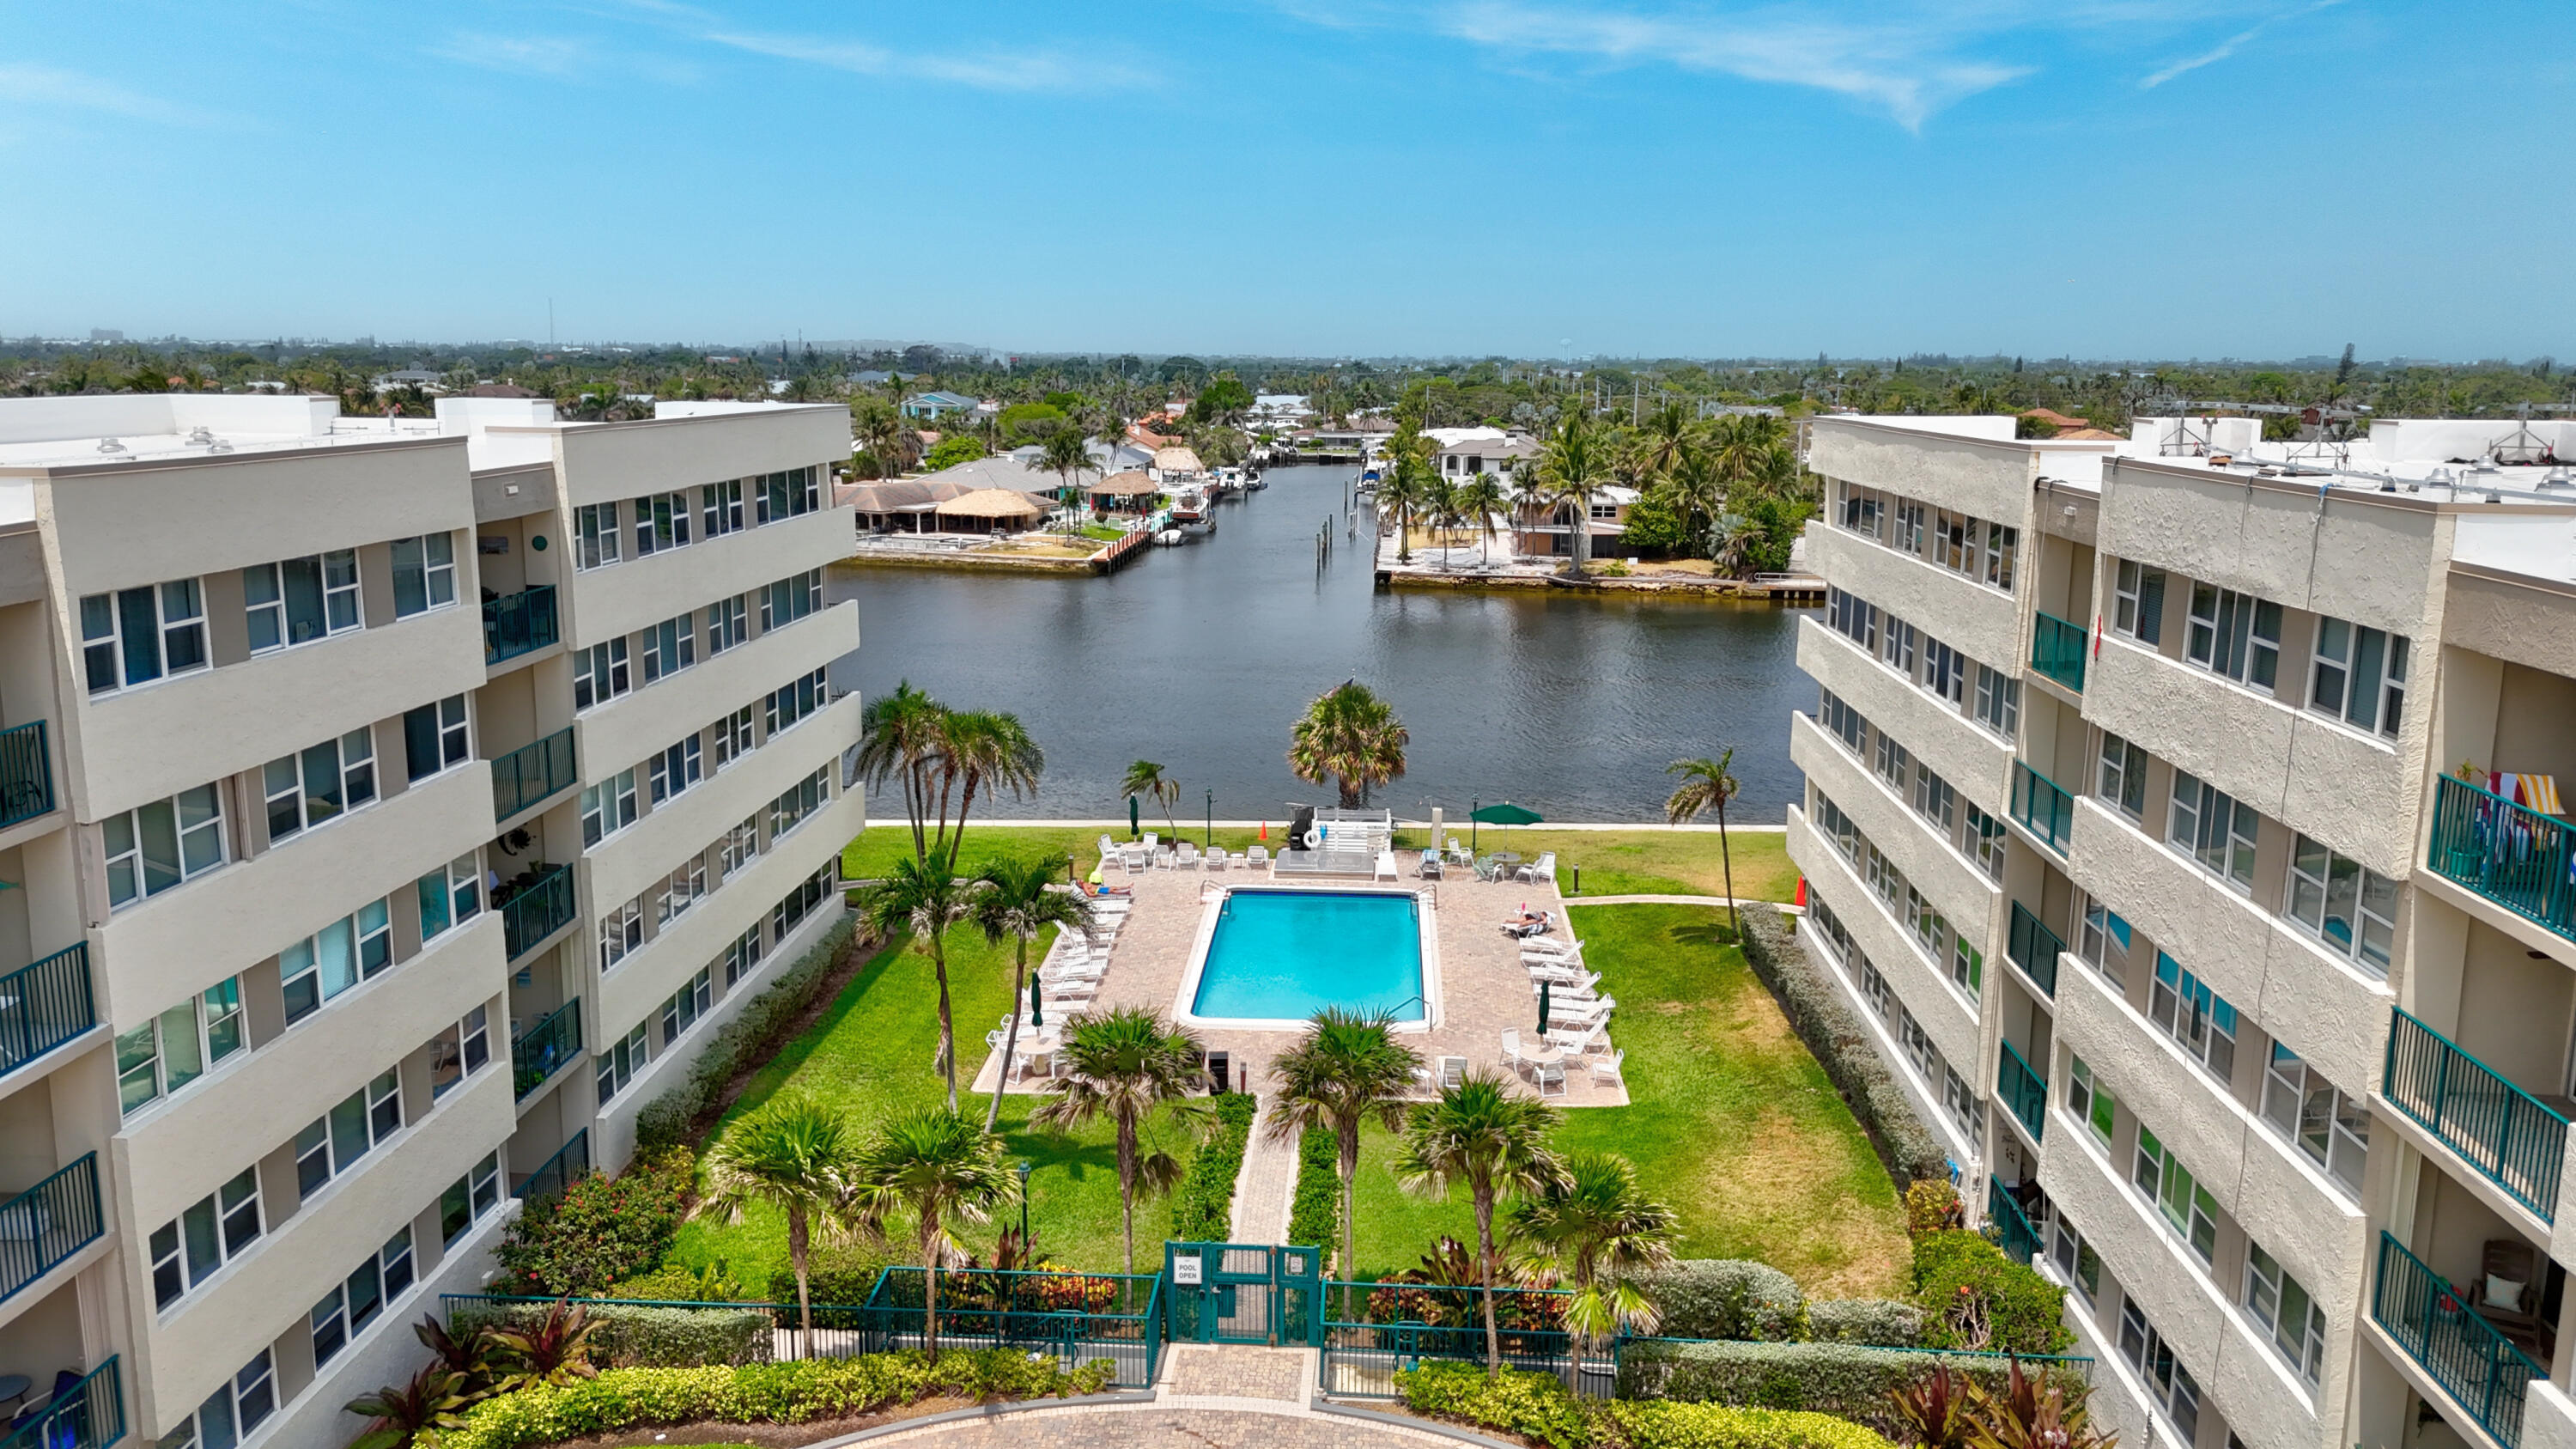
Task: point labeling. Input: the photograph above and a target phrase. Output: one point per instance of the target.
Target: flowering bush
(598, 1230)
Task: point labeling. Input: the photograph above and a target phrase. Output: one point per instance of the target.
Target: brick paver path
(1266, 1184)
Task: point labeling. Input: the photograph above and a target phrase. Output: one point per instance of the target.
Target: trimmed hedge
(599, 1229)
(1845, 1380)
(841, 1273)
(1842, 1045)
(1203, 1210)
(2023, 1312)
(1728, 1298)
(1537, 1407)
(1315, 1213)
(1886, 1322)
(633, 1336)
(754, 1034)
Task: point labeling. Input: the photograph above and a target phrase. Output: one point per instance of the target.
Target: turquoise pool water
(1285, 954)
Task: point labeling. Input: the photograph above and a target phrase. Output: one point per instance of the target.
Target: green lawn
(1731, 1122)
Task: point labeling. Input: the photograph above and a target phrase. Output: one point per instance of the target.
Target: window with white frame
(180, 1045)
(1895, 766)
(1959, 1097)
(1998, 701)
(2345, 904)
(1873, 985)
(1841, 720)
(319, 785)
(1896, 645)
(799, 903)
(1945, 671)
(351, 949)
(332, 1143)
(449, 897)
(2213, 828)
(468, 1198)
(673, 770)
(211, 1232)
(2197, 1018)
(299, 600)
(728, 624)
(1934, 800)
(2123, 780)
(1852, 617)
(1954, 541)
(619, 1063)
(2002, 543)
(2282, 1305)
(359, 1300)
(2138, 602)
(1917, 1044)
(2236, 635)
(740, 846)
(2177, 1194)
(599, 673)
(2173, 1388)
(691, 1001)
(1881, 874)
(681, 889)
(435, 738)
(791, 598)
(661, 523)
(2076, 1259)
(1862, 509)
(595, 538)
(2100, 927)
(238, 1406)
(788, 494)
(1985, 837)
(2330, 1125)
(459, 1051)
(2090, 1101)
(154, 847)
(607, 807)
(788, 705)
(670, 647)
(733, 736)
(799, 801)
(1908, 534)
(721, 508)
(621, 932)
(742, 956)
(135, 636)
(424, 573)
(2358, 676)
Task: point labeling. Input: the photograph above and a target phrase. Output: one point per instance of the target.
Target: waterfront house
(1547, 530)
(936, 405)
(1490, 451)
(1130, 490)
(1177, 467)
(988, 510)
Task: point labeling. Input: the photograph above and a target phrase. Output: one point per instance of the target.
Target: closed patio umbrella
(1037, 1002)
(1542, 1008)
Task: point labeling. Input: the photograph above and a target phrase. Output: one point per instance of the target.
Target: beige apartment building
(2182, 816)
(386, 811)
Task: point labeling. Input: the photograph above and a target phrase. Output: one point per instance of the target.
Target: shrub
(599, 1229)
(1886, 1322)
(840, 1273)
(1841, 1044)
(1844, 1380)
(1533, 1405)
(1203, 1210)
(1728, 1298)
(1713, 1426)
(679, 1283)
(634, 1336)
(1931, 1206)
(752, 1036)
(1972, 1296)
(1315, 1213)
(1537, 1407)
(952, 450)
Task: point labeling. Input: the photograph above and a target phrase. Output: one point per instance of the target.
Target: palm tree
(1483, 1133)
(900, 738)
(1731, 542)
(1569, 474)
(934, 1165)
(1401, 491)
(1753, 454)
(1699, 487)
(1594, 1223)
(1147, 778)
(1440, 506)
(1706, 785)
(794, 1154)
(1123, 1065)
(923, 897)
(1666, 435)
(1347, 1069)
(1351, 735)
(978, 748)
(1477, 500)
(1065, 453)
(1016, 902)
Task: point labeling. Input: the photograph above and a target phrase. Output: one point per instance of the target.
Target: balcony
(537, 910)
(520, 623)
(2511, 854)
(545, 1049)
(2014, 1233)
(2043, 809)
(531, 773)
(2462, 1352)
(2057, 651)
(46, 1224)
(44, 1005)
(88, 1415)
(2034, 948)
(26, 774)
(570, 1164)
(2024, 1091)
(2498, 1128)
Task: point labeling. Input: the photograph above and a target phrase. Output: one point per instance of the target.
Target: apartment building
(2181, 814)
(338, 914)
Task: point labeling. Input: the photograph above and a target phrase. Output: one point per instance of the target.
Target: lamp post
(1209, 842)
(1024, 1212)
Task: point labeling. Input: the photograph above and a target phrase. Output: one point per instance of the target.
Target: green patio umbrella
(1131, 817)
(1037, 1002)
(1542, 1008)
(1506, 814)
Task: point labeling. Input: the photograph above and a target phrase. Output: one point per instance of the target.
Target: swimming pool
(1274, 958)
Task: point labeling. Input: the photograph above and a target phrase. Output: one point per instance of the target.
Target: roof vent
(2555, 477)
(218, 445)
(2439, 478)
(110, 445)
(201, 436)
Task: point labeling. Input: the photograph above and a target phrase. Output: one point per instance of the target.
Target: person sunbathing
(1525, 925)
(1106, 890)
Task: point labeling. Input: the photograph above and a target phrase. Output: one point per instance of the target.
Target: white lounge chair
(1573, 983)
(1576, 992)
(1575, 1040)
(1605, 1070)
(1453, 1072)
(1258, 857)
(1583, 1013)
(1560, 968)
(1551, 946)
(1187, 857)
(1216, 860)
(1135, 858)
(1108, 850)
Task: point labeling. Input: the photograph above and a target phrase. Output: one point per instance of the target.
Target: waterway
(1200, 656)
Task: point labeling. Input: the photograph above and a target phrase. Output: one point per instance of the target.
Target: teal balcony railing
(46, 1224)
(26, 773)
(2024, 1091)
(88, 1415)
(2472, 1361)
(546, 1048)
(2511, 854)
(532, 772)
(2057, 650)
(44, 1005)
(537, 910)
(2013, 1231)
(2034, 948)
(2045, 810)
(2502, 1130)
(520, 623)
(570, 1164)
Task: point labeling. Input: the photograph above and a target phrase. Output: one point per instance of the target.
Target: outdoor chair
(1430, 865)
(1583, 1013)
(2508, 1290)
(1135, 858)
(1542, 869)
(1258, 857)
(1577, 992)
(1153, 840)
(1553, 947)
(1188, 857)
(1551, 1075)
(1453, 1072)
(1216, 860)
(1576, 1040)
(1512, 1047)
(1605, 1070)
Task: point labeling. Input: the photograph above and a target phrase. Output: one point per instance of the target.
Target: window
(722, 505)
(1945, 670)
(787, 494)
(743, 956)
(1909, 526)
(739, 846)
(2359, 675)
(1934, 800)
(238, 1405)
(599, 673)
(679, 890)
(2213, 829)
(791, 598)
(2192, 1014)
(1862, 508)
(2138, 603)
(424, 573)
(340, 955)
(800, 902)
(1873, 986)
(215, 1230)
(686, 1005)
(2339, 901)
(154, 847)
(2177, 1194)
(1897, 644)
(2174, 1389)
(301, 599)
(1954, 541)
(2234, 634)
(135, 636)
(2330, 1126)
(1986, 842)
(674, 770)
(1842, 721)
(790, 703)
(670, 647)
(320, 785)
(2001, 544)
(2076, 1259)
(1930, 931)
(350, 1308)
(468, 1198)
(434, 737)
(449, 896)
(619, 1064)
(728, 624)
(607, 807)
(2102, 926)
(333, 1142)
(459, 1052)
(621, 931)
(180, 1045)
(802, 799)
(594, 527)
(1917, 1044)
(733, 736)
(2281, 1304)
(2124, 776)
(1895, 766)
(1852, 618)
(1998, 701)
(2090, 1101)
(1958, 1097)
(661, 522)
(1967, 965)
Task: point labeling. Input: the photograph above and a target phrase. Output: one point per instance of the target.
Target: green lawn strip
(1731, 1123)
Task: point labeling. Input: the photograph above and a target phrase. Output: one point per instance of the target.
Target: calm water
(1200, 656)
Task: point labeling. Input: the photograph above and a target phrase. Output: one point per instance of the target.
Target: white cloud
(992, 71)
(2230, 45)
(528, 55)
(47, 86)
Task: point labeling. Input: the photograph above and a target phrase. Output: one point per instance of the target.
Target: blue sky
(1531, 177)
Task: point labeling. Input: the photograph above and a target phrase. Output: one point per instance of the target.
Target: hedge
(1842, 1045)
(1203, 1211)
(1315, 1213)
(636, 1336)
(2024, 1312)
(1886, 1322)
(753, 1035)
(1728, 1298)
(1845, 1380)
(1537, 1407)
(599, 1229)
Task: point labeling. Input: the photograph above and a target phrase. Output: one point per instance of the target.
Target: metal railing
(2057, 650)
(532, 772)
(546, 1048)
(540, 910)
(570, 1164)
(2034, 948)
(2025, 1091)
(2500, 1129)
(87, 1415)
(520, 623)
(1398, 1326)
(2013, 1230)
(2472, 1361)
(26, 773)
(2511, 854)
(2045, 810)
(44, 1005)
(46, 1224)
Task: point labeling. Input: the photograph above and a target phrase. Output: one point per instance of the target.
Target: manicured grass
(1731, 1123)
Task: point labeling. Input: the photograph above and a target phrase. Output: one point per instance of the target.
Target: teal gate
(1242, 1293)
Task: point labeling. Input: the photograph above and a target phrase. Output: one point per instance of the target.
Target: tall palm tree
(1015, 902)
(1753, 454)
(1477, 500)
(1124, 1065)
(1401, 491)
(1147, 778)
(796, 1155)
(1351, 735)
(1570, 473)
(980, 748)
(1699, 488)
(1066, 454)
(900, 738)
(1490, 1136)
(1440, 506)
(1593, 1224)
(1347, 1069)
(935, 1166)
(1667, 433)
(924, 898)
(1706, 785)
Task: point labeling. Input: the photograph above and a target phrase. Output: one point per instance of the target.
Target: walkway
(1266, 1185)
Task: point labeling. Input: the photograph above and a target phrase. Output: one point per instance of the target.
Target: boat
(1189, 506)
(1254, 482)
(1170, 538)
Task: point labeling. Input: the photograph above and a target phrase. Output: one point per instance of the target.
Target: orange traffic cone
(1265, 830)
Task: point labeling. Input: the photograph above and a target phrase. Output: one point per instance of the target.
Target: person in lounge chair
(1525, 925)
(1107, 890)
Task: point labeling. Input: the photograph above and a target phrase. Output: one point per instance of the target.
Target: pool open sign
(1185, 1270)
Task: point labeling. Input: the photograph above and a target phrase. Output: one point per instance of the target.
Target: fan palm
(1147, 778)
(1477, 500)
(900, 739)
(934, 1166)
(1125, 1065)
(924, 898)
(1594, 1224)
(1351, 736)
(1707, 785)
(1570, 473)
(1487, 1135)
(980, 748)
(1347, 1069)
(1731, 544)
(796, 1155)
(1016, 903)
